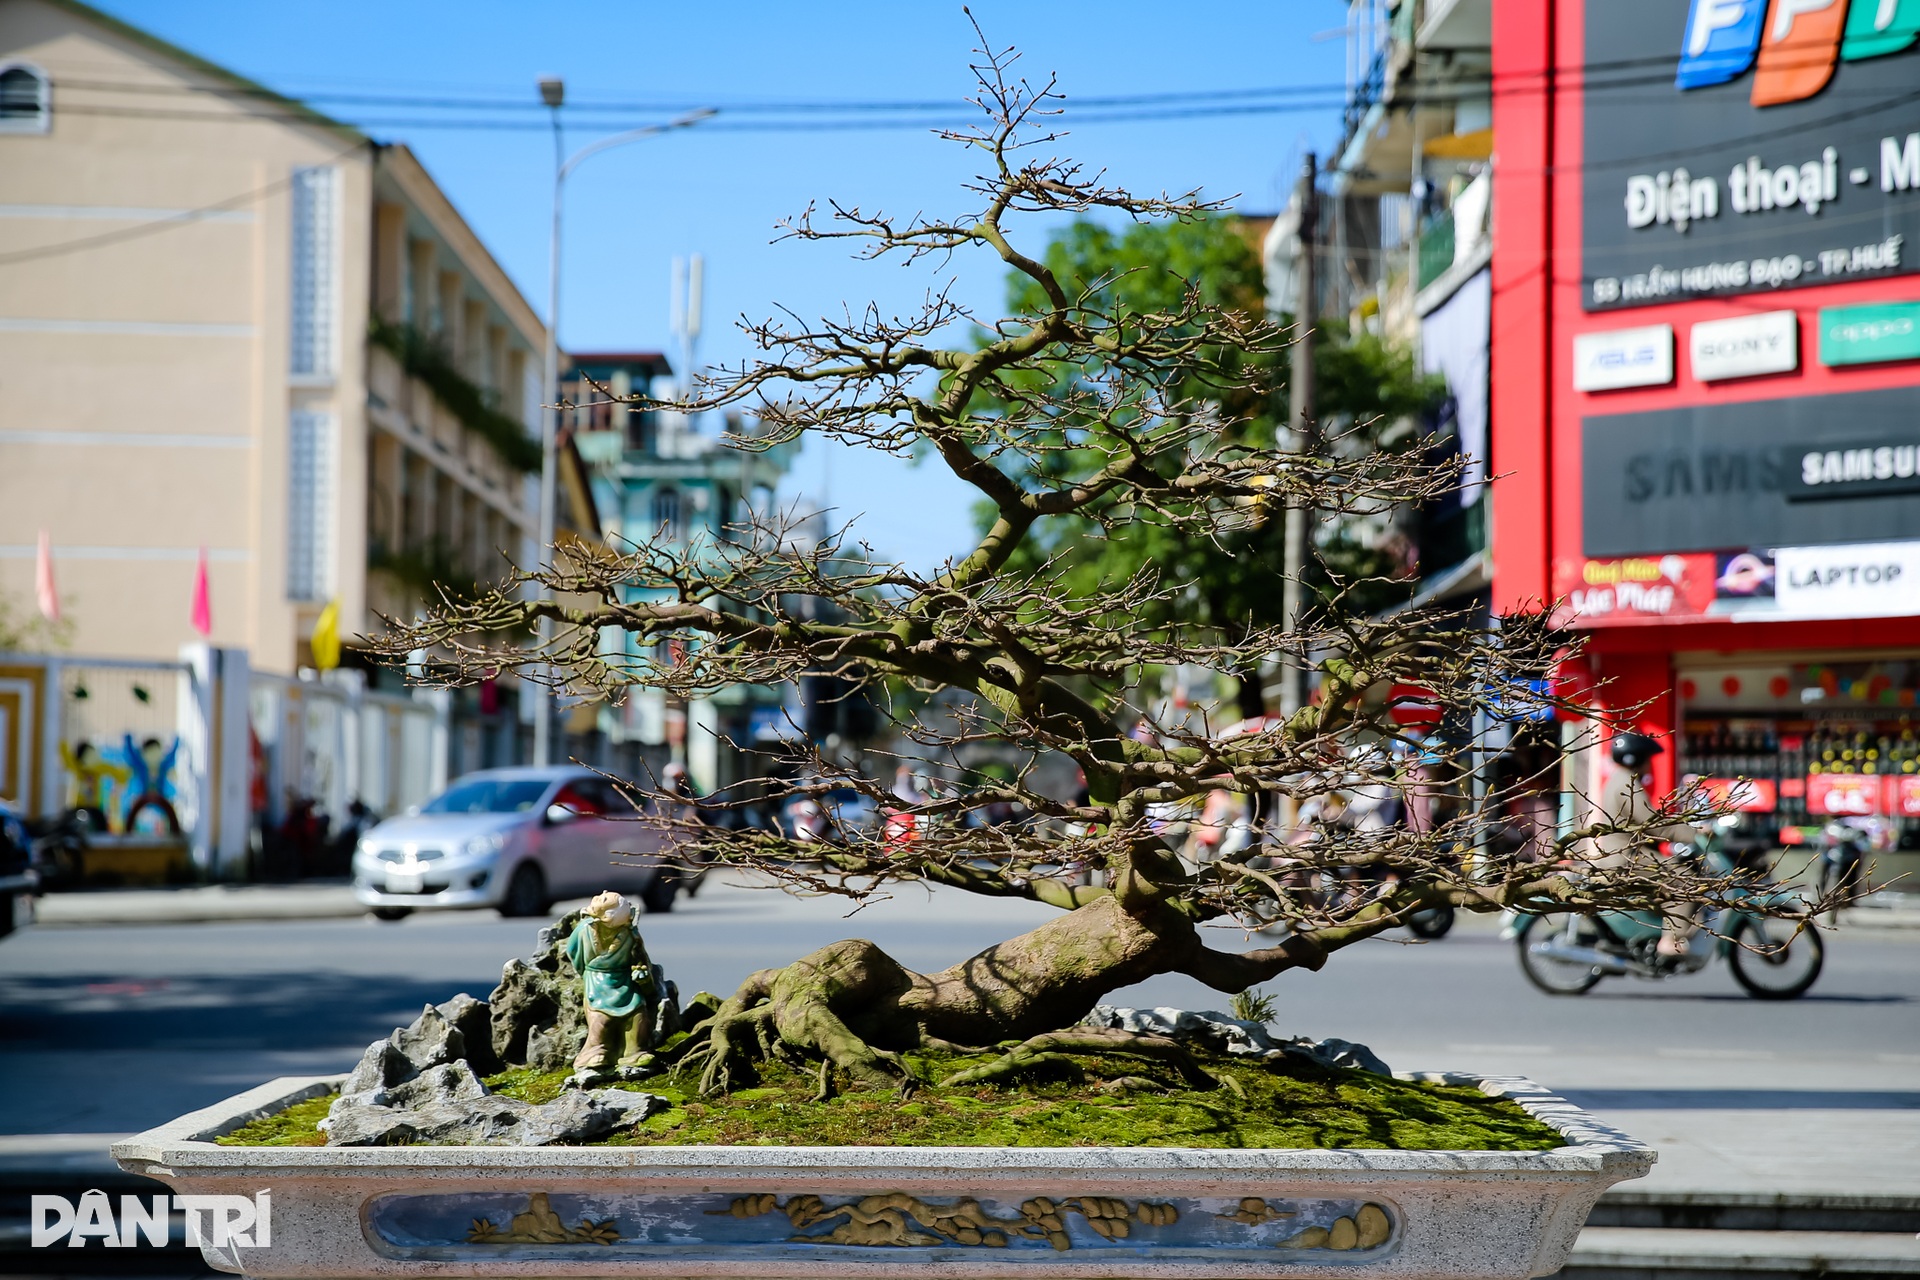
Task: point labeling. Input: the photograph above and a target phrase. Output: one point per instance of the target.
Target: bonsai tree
(1151, 266)
(1079, 410)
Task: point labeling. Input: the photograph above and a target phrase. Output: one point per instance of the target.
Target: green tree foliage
(1229, 577)
(23, 630)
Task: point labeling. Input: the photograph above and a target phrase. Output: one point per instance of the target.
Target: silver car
(513, 839)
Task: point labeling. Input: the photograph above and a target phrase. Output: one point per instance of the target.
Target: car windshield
(488, 795)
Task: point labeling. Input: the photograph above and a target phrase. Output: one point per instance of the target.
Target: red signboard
(1744, 795)
(1902, 796)
(1633, 589)
(1843, 795)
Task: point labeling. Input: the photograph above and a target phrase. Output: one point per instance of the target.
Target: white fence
(334, 741)
(205, 751)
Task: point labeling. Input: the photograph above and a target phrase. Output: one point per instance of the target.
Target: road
(113, 1029)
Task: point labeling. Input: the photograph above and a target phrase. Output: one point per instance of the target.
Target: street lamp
(553, 92)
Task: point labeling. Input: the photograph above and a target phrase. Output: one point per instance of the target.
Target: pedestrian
(1625, 802)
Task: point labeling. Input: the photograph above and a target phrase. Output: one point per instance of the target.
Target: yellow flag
(326, 637)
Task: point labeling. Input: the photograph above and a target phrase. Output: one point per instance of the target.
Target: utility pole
(553, 92)
(1300, 395)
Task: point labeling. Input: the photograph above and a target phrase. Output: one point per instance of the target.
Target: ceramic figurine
(607, 952)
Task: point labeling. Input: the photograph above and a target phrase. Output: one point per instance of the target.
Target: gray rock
(1219, 1033)
(423, 1083)
(554, 1048)
(530, 997)
(1338, 1053)
(448, 1083)
(666, 1010)
(381, 1065)
(431, 1040)
(473, 1019)
(493, 1121)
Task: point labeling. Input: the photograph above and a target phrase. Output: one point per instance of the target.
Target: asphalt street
(111, 1029)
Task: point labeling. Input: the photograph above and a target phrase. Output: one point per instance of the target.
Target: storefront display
(1807, 742)
(1706, 354)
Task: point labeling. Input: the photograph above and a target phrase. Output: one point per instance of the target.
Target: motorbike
(1843, 857)
(1771, 958)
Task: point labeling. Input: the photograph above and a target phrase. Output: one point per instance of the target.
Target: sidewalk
(199, 904)
(1887, 909)
(333, 899)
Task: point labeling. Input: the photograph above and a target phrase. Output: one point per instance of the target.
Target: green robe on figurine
(610, 958)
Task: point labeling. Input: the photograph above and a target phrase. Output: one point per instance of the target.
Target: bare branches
(1116, 421)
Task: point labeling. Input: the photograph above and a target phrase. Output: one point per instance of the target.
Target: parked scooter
(1771, 958)
(19, 881)
(57, 848)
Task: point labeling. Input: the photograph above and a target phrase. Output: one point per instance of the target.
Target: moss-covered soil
(294, 1127)
(1289, 1106)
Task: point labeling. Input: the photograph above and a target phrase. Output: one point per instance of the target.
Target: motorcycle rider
(1625, 802)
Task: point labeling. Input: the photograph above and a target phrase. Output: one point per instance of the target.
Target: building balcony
(1436, 248)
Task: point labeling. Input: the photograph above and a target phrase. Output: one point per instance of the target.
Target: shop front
(1706, 386)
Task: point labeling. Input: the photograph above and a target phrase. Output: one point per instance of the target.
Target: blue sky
(719, 193)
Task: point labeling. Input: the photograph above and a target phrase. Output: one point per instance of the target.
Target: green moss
(1289, 1106)
(297, 1126)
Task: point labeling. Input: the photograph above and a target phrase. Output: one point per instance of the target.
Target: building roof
(243, 89)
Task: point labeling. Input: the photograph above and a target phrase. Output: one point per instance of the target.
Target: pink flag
(202, 601)
(43, 579)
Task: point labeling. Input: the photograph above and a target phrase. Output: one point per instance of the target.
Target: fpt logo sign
(1791, 46)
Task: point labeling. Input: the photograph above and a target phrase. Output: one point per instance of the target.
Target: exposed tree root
(1056, 1047)
(803, 1011)
(855, 1009)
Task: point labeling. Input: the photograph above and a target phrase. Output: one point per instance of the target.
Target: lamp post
(553, 92)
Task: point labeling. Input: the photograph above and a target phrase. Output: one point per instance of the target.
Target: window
(590, 798)
(309, 505)
(313, 294)
(26, 104)
(666, 514)
(488, 795)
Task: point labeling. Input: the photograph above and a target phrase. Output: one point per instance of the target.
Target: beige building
(228, 322)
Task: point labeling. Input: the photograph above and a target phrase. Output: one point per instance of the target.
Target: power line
(1818, 54)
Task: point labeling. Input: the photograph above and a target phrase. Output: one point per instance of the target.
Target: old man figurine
(609, 956)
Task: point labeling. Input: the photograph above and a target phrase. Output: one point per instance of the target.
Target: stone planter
(894, 1211)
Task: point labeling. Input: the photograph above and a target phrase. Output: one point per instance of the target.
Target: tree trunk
(852, 1004)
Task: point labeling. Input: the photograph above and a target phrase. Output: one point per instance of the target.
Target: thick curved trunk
(1050, 977)
(856, 1007)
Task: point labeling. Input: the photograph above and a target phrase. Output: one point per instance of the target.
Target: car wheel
(390, 913)
(660, 892)
(526, 893)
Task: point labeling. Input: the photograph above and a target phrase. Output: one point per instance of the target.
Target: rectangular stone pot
(807, 1212)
